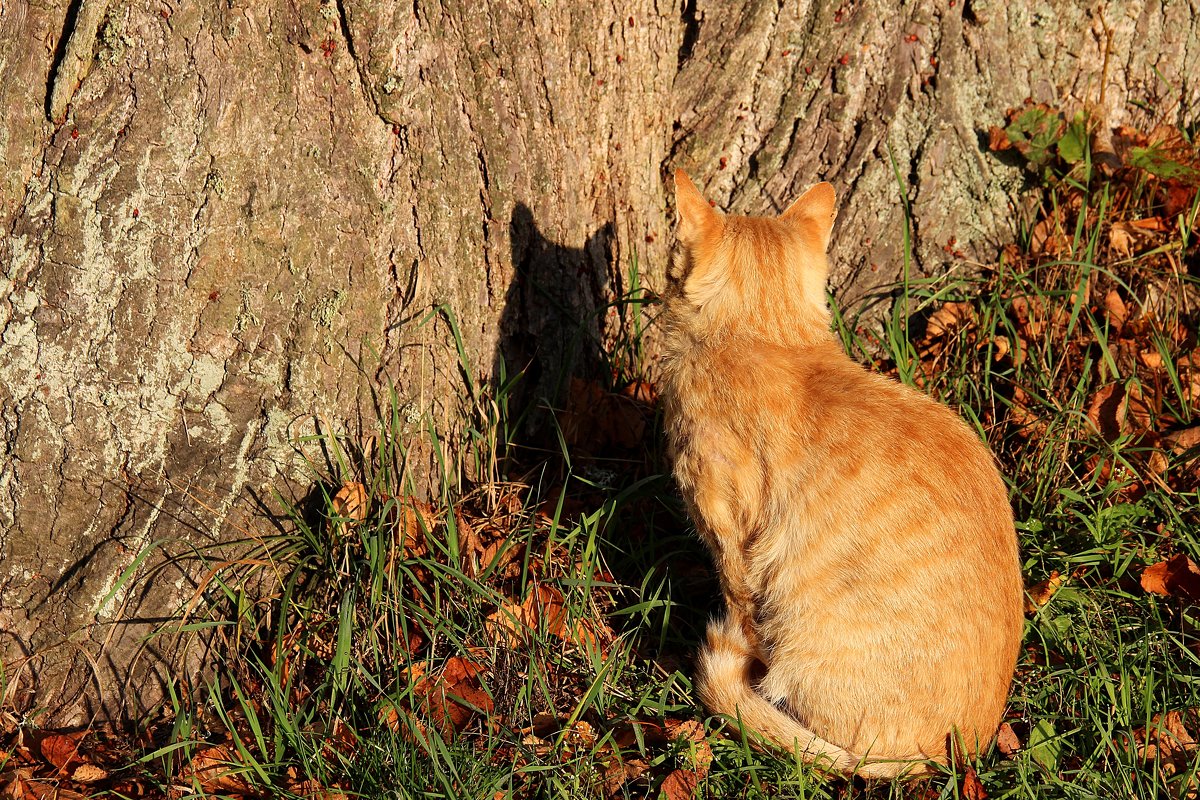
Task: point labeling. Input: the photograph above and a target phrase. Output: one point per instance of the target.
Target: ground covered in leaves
(532, 637)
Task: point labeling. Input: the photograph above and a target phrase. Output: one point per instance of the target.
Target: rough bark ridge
(885, 99)
(223, 221)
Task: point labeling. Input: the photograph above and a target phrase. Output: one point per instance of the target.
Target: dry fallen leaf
(30, 789)
(1156, 463)
(351, 502)
(998, 139)
(972, 789)
(1007, 741)
(680, 785)
(341, 739)
(1027, 422)
(212, 770)
(693, 731)
(1127, 237)
(642, 391)
(579, 740)
(1048, 238)
(310, 788)
(1189, 373)
(544, 608)
(540, 747)
(414, 519)
(1032, 315)
(1155, 224)
(514, 620)
(1179, 199)
(455, 696)
(1151, 358)
(1118, 313)
(1168, 741)
(1040, 593)
(88, 773)
(1120, 240)
(621, 771)
(1183, 440)
(313, 790)
(1141, 415)
(1000, 347)
(15, 789)
(696, 757)
(447, 699)
(1107, 411)
(949, 318)
(1176, 577)
(469, 541)
(1186, 443)
(62, 750)
(498, 556)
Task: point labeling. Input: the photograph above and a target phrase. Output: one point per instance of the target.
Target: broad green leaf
(1158, 162)
(1035, 132)
(1044, 745)
(1073, 144)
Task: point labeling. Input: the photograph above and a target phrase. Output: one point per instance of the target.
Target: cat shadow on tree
(577, 420)
(550, 325)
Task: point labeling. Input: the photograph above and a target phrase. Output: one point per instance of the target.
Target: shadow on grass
(584, 430)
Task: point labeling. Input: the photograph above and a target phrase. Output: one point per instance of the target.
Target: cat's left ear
(817, 206)
(697, 217)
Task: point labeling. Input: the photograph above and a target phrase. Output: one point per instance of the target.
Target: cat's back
(794, 405)
(821, 406)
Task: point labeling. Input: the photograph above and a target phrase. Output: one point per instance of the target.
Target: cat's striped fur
(862, 533)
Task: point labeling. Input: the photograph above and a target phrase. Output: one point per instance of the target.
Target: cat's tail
(723, 680)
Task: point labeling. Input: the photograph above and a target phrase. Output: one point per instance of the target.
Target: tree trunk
(226, 221)
(888, 101)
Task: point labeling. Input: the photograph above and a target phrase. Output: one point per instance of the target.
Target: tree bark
(224, 222)
(889, 100)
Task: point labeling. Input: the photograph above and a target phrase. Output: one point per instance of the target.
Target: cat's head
(761, 275)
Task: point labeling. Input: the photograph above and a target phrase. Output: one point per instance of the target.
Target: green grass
(330, 632)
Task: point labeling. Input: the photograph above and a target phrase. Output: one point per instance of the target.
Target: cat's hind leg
(723, 680)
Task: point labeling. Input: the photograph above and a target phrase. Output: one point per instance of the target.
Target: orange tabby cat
(863, 536)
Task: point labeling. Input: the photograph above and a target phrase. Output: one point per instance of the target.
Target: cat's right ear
(817, 206)
(697, 217)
